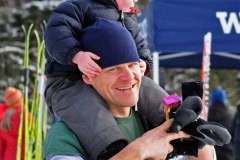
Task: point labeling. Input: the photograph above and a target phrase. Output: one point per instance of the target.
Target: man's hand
(143, 66)
(85, 63)
(154, 144)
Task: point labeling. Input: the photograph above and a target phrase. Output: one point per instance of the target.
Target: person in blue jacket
(67, 62)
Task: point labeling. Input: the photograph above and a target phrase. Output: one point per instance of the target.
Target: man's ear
(86, 79)
(142, 73)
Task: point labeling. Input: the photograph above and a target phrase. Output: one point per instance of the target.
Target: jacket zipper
(122, 17)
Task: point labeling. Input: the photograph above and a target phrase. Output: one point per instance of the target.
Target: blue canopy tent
(175, 29)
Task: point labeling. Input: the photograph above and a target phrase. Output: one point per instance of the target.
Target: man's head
(125, 5)
(120, 79)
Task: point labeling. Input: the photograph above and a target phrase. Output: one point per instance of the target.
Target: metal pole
(156, 67)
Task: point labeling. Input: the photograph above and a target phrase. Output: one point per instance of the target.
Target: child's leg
(150, 101)
(85, 112)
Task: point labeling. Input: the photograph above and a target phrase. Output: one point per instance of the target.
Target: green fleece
(62, 141)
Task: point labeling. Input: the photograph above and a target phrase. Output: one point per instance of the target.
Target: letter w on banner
(233, 21)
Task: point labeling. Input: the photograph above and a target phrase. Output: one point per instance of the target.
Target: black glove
(191, 107)
(186, 113)
(187, 147)
(202, 133)
(210, 133)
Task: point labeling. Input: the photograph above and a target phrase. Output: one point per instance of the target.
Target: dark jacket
(236, 131)
(64, 28)
(220, 113)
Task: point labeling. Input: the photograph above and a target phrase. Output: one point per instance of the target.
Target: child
(65, 58)
(9, 124)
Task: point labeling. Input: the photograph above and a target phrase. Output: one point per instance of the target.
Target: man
(118, 84)
(67, 60)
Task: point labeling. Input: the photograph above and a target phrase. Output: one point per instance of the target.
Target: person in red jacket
(9, 123)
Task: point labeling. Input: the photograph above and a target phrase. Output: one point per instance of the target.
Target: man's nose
(127, 75)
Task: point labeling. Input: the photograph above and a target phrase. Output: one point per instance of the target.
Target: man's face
(119, 85)
(125, 5)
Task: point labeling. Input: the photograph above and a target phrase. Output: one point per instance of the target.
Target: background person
(9, 123)
(221, 113)
(236, 131)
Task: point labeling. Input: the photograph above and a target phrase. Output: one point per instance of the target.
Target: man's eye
(133, 64)
(113, 69)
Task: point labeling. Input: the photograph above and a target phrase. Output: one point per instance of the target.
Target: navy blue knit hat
(111, 42)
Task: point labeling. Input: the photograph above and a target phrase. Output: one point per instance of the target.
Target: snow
(42, 4)
(11, 49)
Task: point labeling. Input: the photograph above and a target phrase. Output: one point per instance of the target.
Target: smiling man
(118, 84)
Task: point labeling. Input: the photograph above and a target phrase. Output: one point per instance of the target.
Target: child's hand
(143, 66)
(85, 63)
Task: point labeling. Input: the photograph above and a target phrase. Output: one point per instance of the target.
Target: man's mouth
(127, 88)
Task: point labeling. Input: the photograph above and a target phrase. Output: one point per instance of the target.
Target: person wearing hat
(67, 61)
(220, 112)
(236, 131)
(119, 86)
(9, 123)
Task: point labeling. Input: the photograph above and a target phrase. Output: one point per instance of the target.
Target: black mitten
(187, 146)
(210, 133)
(202, 133)
(186, 113)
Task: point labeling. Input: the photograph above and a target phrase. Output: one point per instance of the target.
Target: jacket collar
(114, 3)
(108, 2)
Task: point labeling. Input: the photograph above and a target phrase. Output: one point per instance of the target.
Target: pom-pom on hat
(112, 42)
(13, 97)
